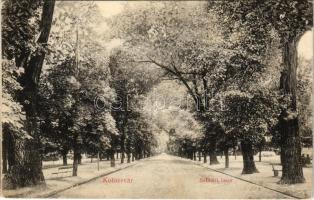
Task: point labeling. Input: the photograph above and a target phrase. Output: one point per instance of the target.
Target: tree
(70, 114)
(290, 19)
(131, 81)
(227, 142)
(248, 116)
(75, 90)
(22, 19)
(13, 117)
(305, 97)
(164, 109)
(187, 58)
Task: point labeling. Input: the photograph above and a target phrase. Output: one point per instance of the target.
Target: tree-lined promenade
(76, 82)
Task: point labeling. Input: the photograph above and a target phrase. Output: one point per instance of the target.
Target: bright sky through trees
(110, 8)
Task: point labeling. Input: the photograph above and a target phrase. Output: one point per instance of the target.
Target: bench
(63, 170)
(276, 171)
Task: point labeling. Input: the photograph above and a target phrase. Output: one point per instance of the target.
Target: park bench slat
(61, 170)
(66, 167)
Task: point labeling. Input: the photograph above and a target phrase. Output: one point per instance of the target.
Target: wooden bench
(63, 170)
(276, 171)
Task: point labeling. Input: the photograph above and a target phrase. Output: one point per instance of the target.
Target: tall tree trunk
(213, 158)
(128, 157)
(292, 171)
(212, 151)
(260, 155)
(133, 157)
(139, 154)
(122, 156)
(112, 159)
(128, 151)
(108, 155)
(235, 153)
(5, 139)
(79, 160)
(75, 160)
(205, 156)
(191, 154)
(199, 156)
(28, 171)
(248, 157)
(226, 153)
(64, 157)
(11, 152)
(4, 158)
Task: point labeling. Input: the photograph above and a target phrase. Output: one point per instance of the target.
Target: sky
(111, 8)
(305, 47)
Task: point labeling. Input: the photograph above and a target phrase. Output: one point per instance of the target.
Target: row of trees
(237, 61)
(66, 94)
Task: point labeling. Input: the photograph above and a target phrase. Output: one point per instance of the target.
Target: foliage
(305, 98)
(20, 25)
(12, 112)
(290, 18)
(70, 85)
(247, 115)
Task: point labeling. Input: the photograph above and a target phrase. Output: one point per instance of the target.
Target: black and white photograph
(209, 99)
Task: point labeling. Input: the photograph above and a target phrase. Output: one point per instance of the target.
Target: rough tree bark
(64, 157)
(292, 171)
(4, 152)
(128, 154)
(213, 158)
(128, 151)
(11, 152)
(140, 154)
(79, 160)
(122, 156)
(107, 154)
(226, 153)
(212, 152)
(190, 154)
(112, 159)
(122, 143)
(248, 157)
(75, 160)
(8, 151)
(205, 156)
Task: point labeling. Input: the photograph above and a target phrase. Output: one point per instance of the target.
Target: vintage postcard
(157, 99)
